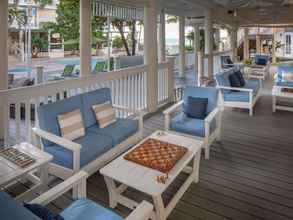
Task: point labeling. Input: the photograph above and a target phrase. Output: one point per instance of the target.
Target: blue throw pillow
(234, 80)
(196, 107)
(261, 61)
(42, 212)
(240, 77)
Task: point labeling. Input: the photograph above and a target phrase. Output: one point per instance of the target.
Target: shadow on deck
(249, 174)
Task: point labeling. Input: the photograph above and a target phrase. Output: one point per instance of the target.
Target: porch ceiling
(232, 12)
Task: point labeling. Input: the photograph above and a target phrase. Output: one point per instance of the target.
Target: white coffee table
(141, 178)
(9, 172)
(278, 93)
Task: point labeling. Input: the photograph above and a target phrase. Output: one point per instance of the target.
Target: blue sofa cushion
(42, 212)
(48, 113)
(261, 61)
(118, 131)
(280, 79)
(93, 145)
(86, 209)
(240, 77)
(202, 92)
(196, 107)
(234, 80)
(92, 98)
(192, 126)
(11, 210)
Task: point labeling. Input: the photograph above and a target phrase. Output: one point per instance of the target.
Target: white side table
(278, 93)
(9, 172)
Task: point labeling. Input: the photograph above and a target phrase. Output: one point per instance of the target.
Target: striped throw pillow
(105, 114)
(71, 125)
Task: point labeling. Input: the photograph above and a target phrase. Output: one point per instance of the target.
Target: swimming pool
(20, 69)
(76, 61)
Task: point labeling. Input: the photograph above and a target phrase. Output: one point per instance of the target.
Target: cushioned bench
(97, 146)
(238, 97)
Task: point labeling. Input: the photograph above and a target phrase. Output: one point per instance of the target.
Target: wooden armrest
(236, 88)
(70, 145)
(211, 116)
(142, 212)
(49, 196)
(173, 108)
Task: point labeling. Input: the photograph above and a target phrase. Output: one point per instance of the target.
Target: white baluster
(17, 122)
(28, 124)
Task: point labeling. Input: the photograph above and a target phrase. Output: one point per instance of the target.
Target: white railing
(189, 60)
(128, 87)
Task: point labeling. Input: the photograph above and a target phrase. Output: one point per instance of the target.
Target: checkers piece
(16, 157)
(156, 154)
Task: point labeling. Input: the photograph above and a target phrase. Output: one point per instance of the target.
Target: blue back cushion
(234, 80)
(261, 59)
(43, 212)
(196, 107)
(92, 98)
(240, 78)
(11, 210)
(223, 77)
(202, 92)
(48, 114)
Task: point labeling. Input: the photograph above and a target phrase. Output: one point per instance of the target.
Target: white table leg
(195, 168)
(159, 208)
(274, 103)
(44, 176)
(112, 191)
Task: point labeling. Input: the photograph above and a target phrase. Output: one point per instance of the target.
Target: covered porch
(248, 175)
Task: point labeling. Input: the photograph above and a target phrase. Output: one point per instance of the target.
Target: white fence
(128, 87)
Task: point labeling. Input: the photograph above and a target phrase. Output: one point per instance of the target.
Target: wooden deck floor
(249, 175)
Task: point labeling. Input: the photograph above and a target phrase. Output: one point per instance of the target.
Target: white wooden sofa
(238, 97)
(98, 146)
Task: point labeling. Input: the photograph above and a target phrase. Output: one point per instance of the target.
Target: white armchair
(86, 208)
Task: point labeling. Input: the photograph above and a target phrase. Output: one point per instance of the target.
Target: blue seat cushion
(192, 126)
(196, 107)
(93, 145)
(117, 131)
(239, 96)
(84, 209)
(48, 114)
(92, 98)
(11, 210)
(286, 84)
(42, 212)
(210, 93)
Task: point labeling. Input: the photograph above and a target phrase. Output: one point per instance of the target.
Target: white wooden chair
(87, 208)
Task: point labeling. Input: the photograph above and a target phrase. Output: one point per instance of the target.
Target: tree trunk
(119, 26)
(133, 39)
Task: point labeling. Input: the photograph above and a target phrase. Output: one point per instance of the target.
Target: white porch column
(150, 54)
(258, 43)
(246, 44)
(3, 57)
(233, 43)
(196, 45)
(208, 26)
(85, 37)
(181, 46)
(217, 39)
(274, 57)
(162, 37)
